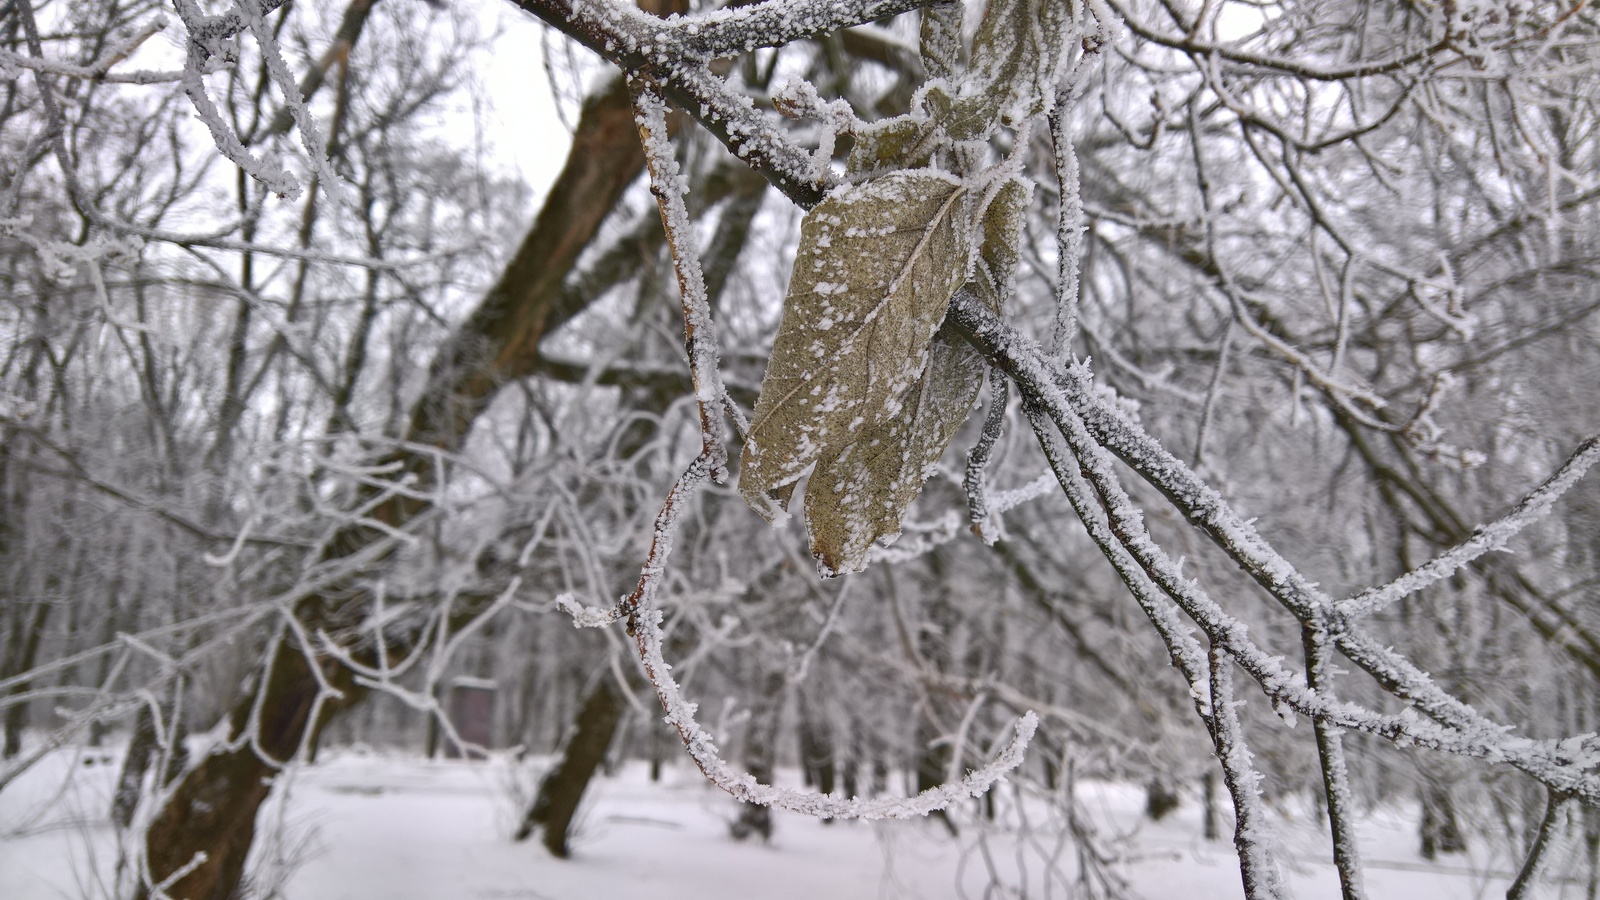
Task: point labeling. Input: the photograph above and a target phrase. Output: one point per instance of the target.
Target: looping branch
(644, 625)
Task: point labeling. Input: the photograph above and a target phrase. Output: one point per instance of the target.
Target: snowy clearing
(363, 825)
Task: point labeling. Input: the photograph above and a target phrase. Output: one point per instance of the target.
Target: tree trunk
(933, 761)
(816, 748)
(1159, 799)
(760, 752)
(143, 748)
(1209, 790)
(208, 823)
(212, 813)
(1440, 832)
(26, 648)
(562, 788)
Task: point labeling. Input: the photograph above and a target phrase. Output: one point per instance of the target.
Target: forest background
(314, 418)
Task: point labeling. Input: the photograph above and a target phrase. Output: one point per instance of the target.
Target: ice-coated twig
(55, 131)
(216, 241)
(311, 139)
(1208, 410)
(1484, 540)
(208, 37)
(1069, 229)
(159, 890)
(646, 48)
(644, 624)
(100, 68)
(1007, 500)
(1252, 833)
(984, 522)
(1209, 675)
(740, 29)
(699, 332)
(1187, 656)
(1335, 772)
(588, 616)
(1457, 729)
(800, 664)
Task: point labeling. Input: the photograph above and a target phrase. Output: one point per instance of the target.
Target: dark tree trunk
(108, 632)
(143, 749)
(432, 748)
(1159, 799)
(660, 743)
(25, 640)
(209, 822)
(1209, 789)
(130, 783)
(562, 788)
(1440, 832)
(816, 748)
(760, 752)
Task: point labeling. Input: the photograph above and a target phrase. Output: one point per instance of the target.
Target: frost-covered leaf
(877, 266)
(940, 39)
(1002, 234)
(1015, 57)
(900, 142)
(860, 492)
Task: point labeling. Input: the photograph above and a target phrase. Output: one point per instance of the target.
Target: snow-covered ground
(365, 825)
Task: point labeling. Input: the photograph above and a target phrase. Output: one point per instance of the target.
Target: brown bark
(211, 815)
(760, 754)
(500, 340)
(562, 788)
(213, 811)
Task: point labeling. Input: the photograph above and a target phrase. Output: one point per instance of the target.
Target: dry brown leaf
(877, 266)
(1016, 54)
(861, 492)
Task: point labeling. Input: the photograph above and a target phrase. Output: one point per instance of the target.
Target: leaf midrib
(872, 314)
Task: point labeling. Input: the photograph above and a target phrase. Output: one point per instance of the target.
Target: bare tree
(1333, 263)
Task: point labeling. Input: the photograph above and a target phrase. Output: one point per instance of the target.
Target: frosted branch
(1252, 833)
(1069, 231)
(699, 332)
(644, 624)
(212, 37)
(209, 37)
(1487, 538)
(1459, 729)
(100, 68)
(985, 524)
(1549, 827)
(649, 49)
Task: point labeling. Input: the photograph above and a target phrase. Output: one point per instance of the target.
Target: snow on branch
(734, 30)
(1485, 539)
(699, 332)
(1456, 727)
(668, 58)
(644, 624)
(212, 37)
(100, 68)
(651, 50)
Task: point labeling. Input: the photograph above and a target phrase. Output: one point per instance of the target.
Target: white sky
(522, 122)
